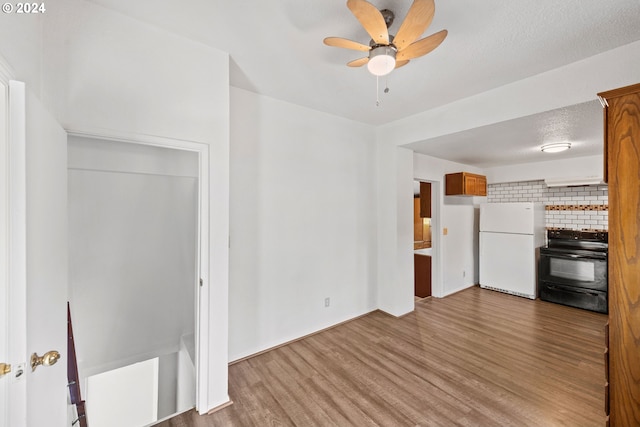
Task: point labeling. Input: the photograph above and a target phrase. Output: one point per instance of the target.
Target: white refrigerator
(510, 235)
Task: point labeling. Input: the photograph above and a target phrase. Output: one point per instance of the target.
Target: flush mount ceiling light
(556, 147)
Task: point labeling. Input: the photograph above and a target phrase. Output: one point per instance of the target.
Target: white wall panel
(132, 252)
(303, 222)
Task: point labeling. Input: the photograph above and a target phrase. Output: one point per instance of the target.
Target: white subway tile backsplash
(537, 191)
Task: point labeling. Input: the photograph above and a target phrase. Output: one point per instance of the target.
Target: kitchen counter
(421, 244)
(426, 251)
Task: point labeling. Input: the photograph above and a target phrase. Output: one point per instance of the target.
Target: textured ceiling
(276, 47)
(519, 140)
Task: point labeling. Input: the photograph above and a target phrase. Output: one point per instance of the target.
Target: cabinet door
(422, 275)
(417, 221)
(453, 184)
(481, 186)
(425, 200)
(470, 185)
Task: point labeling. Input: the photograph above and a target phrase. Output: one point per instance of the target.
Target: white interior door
(38, 261)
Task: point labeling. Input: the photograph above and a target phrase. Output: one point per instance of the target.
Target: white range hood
(574, 181)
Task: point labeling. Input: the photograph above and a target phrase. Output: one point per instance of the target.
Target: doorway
(426, 239)
(133, 263)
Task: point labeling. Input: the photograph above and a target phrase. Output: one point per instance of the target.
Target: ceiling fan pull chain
(377, 91)
(386, 84)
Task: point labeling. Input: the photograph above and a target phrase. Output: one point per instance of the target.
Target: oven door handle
(574, 290)
(576, 256)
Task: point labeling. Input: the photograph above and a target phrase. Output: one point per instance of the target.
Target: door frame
(6, 74)
(436, 237)
(14, 222)
(202, 240)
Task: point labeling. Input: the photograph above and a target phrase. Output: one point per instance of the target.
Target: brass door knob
(5, 368)
(47, 359)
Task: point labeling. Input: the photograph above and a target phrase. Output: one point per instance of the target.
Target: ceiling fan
(387, 52)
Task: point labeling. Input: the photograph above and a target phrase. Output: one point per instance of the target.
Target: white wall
(21, 46)
(394, 183)
(125, 397)
(564, 168)
(456, 253)
(303, 228)
(168, 385)
(132, 243)
(186, 381)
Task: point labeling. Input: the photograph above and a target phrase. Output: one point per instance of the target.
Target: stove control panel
(598, 236)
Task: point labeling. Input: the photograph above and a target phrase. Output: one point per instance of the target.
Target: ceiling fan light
(382, 60)
(556, 147)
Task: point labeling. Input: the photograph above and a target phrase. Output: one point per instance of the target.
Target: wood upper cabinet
(465, 184)
(622, 144)
(425, 200)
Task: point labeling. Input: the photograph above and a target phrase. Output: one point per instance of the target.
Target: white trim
(437, 288)
(203, 241)
(17, 248)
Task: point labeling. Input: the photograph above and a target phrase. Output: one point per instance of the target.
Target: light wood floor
(476, 358)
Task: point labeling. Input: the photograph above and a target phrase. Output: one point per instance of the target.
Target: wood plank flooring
(475, 358)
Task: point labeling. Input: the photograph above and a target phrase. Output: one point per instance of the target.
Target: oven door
(584, 269)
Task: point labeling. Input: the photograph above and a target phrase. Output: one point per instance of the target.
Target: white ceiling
(519, 140)
(276, 50)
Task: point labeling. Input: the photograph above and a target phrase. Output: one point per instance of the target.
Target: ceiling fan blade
(358, 62)
(422, 47)
(401, 63)
(415, 23)
(346, 44)
(371, 19)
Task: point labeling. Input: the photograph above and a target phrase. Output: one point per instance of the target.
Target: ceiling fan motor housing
(388, 16)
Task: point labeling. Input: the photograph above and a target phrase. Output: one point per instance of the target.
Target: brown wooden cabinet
(425, 200)
(622, 145)
(422, 275)
(465, 184)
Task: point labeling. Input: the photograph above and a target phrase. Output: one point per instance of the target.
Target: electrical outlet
(327, 302)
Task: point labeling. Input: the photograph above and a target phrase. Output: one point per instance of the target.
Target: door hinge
(201, 282)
